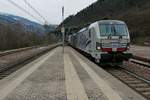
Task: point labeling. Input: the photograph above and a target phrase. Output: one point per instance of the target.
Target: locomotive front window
(119, 29)
(105, 30)
(113, 30)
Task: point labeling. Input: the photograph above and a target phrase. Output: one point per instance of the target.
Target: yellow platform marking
(104, 86)
(74, 87)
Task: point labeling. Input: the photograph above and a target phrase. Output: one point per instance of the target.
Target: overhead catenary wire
(36, 11)
(24, 10)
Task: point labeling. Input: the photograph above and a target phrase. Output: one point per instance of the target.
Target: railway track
(17, 50)
(141, 59)
(136, 82)
(7, 69)
(135, 61)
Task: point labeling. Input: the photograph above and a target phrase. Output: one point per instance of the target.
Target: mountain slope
(28, 26)
(136, 13)
(17, 32)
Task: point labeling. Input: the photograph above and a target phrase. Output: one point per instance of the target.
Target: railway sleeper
(143, 89)
(124, 77)
(128, 78)
(146, 93)
(142, 85)
(133, 82)
(120, 74)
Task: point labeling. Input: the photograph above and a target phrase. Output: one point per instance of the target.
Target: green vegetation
(136, 13)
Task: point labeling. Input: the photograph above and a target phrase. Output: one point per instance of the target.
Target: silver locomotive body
(106, 41)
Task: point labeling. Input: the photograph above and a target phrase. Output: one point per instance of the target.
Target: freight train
(106, 41)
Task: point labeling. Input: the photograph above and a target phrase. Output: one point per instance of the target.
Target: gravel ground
(140, 51)
(138, 69)
(8, 61)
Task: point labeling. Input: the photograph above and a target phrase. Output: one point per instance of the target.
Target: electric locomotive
(107, 41)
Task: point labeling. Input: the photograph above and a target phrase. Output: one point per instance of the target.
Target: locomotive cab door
(92, 39)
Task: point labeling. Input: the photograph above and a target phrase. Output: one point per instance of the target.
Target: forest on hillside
(14, 36)
(136, 13)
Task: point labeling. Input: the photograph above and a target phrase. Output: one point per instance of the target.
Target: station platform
(140, 51)
(68, 76)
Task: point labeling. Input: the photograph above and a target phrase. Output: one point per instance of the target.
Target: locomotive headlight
(128, 46)
(98, 46)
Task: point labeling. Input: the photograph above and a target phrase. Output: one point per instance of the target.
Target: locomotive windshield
(113, 30)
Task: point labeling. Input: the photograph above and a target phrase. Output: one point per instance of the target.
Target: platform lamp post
(63, 29)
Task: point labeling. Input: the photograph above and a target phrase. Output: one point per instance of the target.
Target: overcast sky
(50, 9)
